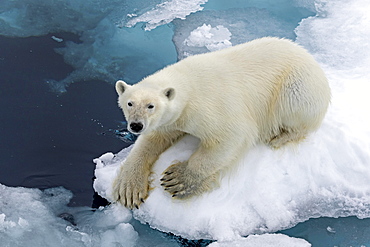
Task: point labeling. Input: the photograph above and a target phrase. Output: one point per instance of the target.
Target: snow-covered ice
(30, 217)
(326, 175)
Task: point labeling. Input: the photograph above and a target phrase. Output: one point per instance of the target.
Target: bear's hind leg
(286, 136)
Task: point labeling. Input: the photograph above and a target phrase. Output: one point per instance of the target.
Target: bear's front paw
(183, 183)
(130, 190)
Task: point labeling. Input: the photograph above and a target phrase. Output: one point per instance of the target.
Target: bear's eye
(150, 106)
(129, 103)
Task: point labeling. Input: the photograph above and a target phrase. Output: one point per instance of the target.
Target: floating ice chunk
(330, 229)
(122, 235)
(270, 190)
(59, 40)
(30, 217)
(265, 240)
(24, 218)
(166, 12)
(213, 38)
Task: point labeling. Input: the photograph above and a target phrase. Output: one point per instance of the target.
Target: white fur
(268, 90)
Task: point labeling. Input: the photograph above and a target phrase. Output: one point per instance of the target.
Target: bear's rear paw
(130, 192)
(286, 137)
(183, 183)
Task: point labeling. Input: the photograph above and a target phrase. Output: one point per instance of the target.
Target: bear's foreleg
(131, 186)
(201, 172)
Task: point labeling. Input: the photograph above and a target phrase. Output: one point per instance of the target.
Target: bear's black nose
(136, 127)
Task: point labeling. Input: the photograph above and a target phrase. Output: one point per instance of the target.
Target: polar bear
(268, 90)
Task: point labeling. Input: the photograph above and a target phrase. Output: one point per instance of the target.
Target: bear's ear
(121, 87)
(169, 93)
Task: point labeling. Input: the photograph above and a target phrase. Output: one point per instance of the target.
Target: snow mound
(269, 190)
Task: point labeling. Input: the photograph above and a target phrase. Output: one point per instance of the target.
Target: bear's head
(145, 107)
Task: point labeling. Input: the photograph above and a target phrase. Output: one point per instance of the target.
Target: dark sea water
(46, 139)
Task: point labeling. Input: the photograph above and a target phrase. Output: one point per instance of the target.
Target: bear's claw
(165, 180)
